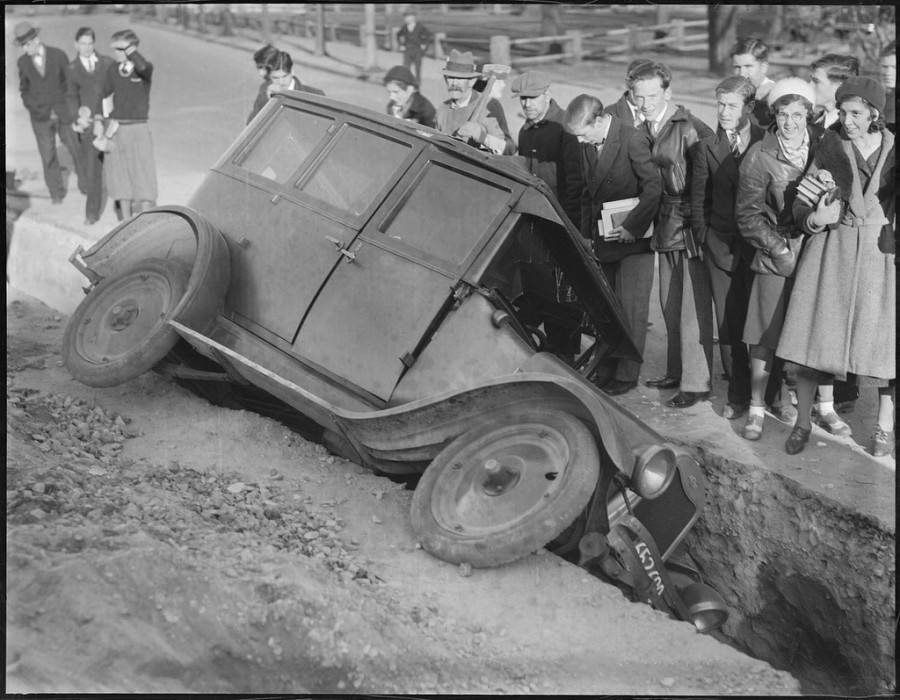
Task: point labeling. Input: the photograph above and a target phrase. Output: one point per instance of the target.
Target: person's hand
(620, 234)
(825, 214)
(783, 258)
(472, 130)
(825, 177)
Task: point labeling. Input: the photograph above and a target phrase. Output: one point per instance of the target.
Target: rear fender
(167, 232)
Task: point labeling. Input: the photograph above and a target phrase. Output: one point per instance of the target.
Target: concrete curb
(39, 265)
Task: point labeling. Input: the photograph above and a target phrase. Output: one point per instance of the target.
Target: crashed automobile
(379, 277)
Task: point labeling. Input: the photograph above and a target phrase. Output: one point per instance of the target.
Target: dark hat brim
(27, 36)
(461, 73)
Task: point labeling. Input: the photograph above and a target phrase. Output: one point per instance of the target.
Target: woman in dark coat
(769, 173)
(841, 316)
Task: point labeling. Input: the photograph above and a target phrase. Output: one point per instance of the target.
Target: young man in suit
(42, 82)
(625, 108)
(727, 256)
(86, 75)
(616, 164)
(750, 59)
(684, 292)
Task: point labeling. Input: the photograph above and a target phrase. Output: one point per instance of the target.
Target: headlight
(653, 471)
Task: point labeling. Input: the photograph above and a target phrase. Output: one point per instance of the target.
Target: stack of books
(811, 189)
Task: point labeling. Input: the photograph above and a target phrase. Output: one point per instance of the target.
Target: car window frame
(290, 190)
(375, 232)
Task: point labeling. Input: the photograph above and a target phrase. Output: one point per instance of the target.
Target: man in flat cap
(454, 115)
(43, 83)
(552, 154)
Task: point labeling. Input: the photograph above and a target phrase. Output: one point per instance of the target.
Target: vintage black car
(377, 276)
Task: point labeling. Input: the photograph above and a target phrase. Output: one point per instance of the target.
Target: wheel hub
(500, 477)
(123, 315)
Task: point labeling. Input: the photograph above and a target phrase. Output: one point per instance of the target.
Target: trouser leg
(696, 327)
(736, 302)
(671, 283)
(70, 140)
(634, 282)
(45, 135)
(93, 176)
(720, 282)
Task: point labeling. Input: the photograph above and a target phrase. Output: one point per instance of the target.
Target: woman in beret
(841, 315)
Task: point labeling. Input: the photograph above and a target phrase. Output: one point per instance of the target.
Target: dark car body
(370, 273)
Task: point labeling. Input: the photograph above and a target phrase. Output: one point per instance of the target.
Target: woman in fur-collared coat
(841, 314)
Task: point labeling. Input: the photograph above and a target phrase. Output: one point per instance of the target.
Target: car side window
(358, 166)
(285, 144)
(446, 214)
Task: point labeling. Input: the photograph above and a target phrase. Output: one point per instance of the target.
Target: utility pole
(264, 20)
(320, 30)
(369, 36)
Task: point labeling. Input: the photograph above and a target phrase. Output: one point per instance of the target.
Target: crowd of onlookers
(772, 230)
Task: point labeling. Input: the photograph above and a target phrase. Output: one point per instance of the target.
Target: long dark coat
(623, 169)
(841, 314)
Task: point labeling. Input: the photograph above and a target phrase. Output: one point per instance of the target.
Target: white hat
(791, 86)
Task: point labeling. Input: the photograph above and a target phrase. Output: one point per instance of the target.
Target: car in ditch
(379, 278)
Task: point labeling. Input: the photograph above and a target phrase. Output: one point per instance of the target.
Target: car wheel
(119, 330)
(505, 488)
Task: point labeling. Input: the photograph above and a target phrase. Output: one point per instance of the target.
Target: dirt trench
(810, 584)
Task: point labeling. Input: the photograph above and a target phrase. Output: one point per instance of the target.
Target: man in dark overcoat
(42, 83)
(413, 38)
(727, 256)
(625, 108)
(616, 164)
(553, 154)
(86, 74)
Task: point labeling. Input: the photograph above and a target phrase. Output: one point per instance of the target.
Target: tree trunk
(722, 36)
(320, 29)
(777, 28)
(551, 25)
(370, 38)
(265, 27)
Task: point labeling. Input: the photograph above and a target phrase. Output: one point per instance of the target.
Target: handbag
(781, 265)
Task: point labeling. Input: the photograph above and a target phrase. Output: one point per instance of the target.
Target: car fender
(167, 232)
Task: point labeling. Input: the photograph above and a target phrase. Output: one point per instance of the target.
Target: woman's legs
(824, 410)
(881, 442)
(123, 209)
(807, 383)
(760, 368)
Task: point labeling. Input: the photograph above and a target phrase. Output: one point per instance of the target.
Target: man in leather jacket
(684, 287)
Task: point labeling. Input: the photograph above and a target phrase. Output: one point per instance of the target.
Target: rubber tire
(524, 536)
(147, 351)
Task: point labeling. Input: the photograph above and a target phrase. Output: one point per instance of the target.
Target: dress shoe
(753, 429)
(785, 414)
(882, 442)
(617, 387)
(686, 399)
(831, 422)
(601, 382)
(797, 440)
(665, 382)
(734, 410)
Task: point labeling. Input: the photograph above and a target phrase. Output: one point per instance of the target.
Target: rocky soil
(156, 543)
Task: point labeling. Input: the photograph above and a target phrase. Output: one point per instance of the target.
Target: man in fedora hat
(43, 83)
(454, 115)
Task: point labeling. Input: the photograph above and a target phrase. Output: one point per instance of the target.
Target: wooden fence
(576, 44)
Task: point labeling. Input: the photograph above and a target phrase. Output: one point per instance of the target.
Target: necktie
(735, 140)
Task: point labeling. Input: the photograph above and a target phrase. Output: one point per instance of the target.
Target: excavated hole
(796, 571)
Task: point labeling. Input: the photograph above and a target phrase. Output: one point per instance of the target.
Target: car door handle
(349, 255)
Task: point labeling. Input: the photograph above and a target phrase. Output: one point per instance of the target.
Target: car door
(377, 305)
(308, 181)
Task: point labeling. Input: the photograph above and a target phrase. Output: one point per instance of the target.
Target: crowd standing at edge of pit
(774, 231)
